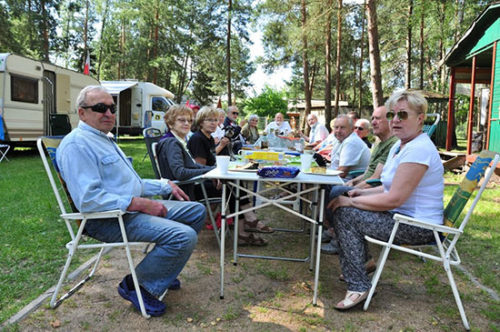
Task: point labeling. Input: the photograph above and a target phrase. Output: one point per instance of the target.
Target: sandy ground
(263, 295)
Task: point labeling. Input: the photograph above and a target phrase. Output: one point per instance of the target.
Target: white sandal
(351, 299)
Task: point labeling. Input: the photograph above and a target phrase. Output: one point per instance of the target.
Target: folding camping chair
(4, 148)
(197, 180)
(447, 235)
(151, 135)
(429, 129)
(49, 145)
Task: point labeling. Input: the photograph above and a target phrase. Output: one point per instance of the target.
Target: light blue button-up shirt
(98, 175)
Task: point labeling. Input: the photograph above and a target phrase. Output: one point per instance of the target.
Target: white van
(140, 105)
(37, 98)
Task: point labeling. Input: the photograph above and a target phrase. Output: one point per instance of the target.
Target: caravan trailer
(140, 105)
(37, 98)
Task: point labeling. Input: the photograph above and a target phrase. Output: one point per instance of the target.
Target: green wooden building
(475, 59)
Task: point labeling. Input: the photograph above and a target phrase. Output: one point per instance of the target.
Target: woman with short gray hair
(250, 131)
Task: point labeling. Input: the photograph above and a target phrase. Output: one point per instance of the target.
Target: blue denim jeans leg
(175, 237)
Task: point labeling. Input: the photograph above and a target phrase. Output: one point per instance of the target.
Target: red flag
(219, 103)
(86, 68)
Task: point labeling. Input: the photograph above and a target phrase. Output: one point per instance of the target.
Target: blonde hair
(416, 101)
(204, 113)
(175, 111)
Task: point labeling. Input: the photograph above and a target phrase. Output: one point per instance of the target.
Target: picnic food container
(263, 155)
(278, 172)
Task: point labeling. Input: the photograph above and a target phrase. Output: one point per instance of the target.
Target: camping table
(316, 184)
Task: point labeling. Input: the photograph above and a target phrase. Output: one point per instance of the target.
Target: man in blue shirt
(99, 177)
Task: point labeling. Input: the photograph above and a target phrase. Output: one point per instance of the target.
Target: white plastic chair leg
(456, 294)
(376, 276)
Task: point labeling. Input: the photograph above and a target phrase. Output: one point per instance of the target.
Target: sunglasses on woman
(402, 115)
(102, 108)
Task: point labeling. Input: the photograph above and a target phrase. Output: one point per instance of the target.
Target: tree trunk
(228, 53)
(422, 47)
(362, 44)
(155, 48)
(460, 4)
(45, 32)
(408, 47)
(339, 47)
(305, 63)
(442, 71)
(104, 19)
(375, 75)
(122, 46)
(85, 33)
(328, 75)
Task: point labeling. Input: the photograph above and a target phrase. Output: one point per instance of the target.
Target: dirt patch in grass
(268, 295)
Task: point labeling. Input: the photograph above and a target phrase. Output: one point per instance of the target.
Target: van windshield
(161, 104)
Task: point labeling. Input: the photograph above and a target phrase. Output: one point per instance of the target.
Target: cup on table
(305, 161)
(222, 163)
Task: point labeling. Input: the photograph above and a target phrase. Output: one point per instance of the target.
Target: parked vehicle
(37, 98)
(140, 105)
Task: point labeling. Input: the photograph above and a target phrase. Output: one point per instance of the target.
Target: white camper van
(140, 105)
(37, 98)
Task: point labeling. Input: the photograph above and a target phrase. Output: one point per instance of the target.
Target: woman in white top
(412, 181)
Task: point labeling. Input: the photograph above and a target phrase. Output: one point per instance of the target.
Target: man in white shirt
(318, 131)
(352, 154)
(279, 124)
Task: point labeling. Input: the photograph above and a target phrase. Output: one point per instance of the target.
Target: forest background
(355, 51)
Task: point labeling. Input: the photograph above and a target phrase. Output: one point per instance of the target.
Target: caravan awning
(115, 87)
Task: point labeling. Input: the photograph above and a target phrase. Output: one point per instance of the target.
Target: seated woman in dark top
(203, 149)
(176, 163)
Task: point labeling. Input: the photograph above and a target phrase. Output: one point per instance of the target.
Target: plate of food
(250, 166)
(322, 171)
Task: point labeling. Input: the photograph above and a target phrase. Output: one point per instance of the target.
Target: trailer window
(23, 89)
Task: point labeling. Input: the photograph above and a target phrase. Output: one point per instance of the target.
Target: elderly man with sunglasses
(362, 128)
(99, 177)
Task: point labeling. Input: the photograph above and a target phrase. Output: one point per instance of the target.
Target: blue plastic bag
(278, 172)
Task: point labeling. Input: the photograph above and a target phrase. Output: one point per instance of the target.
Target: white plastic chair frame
(72, 246)
(3, 154)
(447, 250)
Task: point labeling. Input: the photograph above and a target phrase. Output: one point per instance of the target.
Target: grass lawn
(32, 236)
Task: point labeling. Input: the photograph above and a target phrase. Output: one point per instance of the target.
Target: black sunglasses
(359, 128)
(102, 108)
(235, 113)
(402, 115)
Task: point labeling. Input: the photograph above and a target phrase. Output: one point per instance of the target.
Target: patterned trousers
(352, 224)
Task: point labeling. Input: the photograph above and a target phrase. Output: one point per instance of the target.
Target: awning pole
(471, 105)
(451, 111)
(490, 106)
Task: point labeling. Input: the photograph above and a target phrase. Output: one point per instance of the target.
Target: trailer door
(49, 91)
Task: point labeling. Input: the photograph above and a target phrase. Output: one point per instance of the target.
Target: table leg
(236, 222)
(223, 239)
(318, 247)
(314, 215)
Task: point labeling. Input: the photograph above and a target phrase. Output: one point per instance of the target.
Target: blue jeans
(175, 237)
